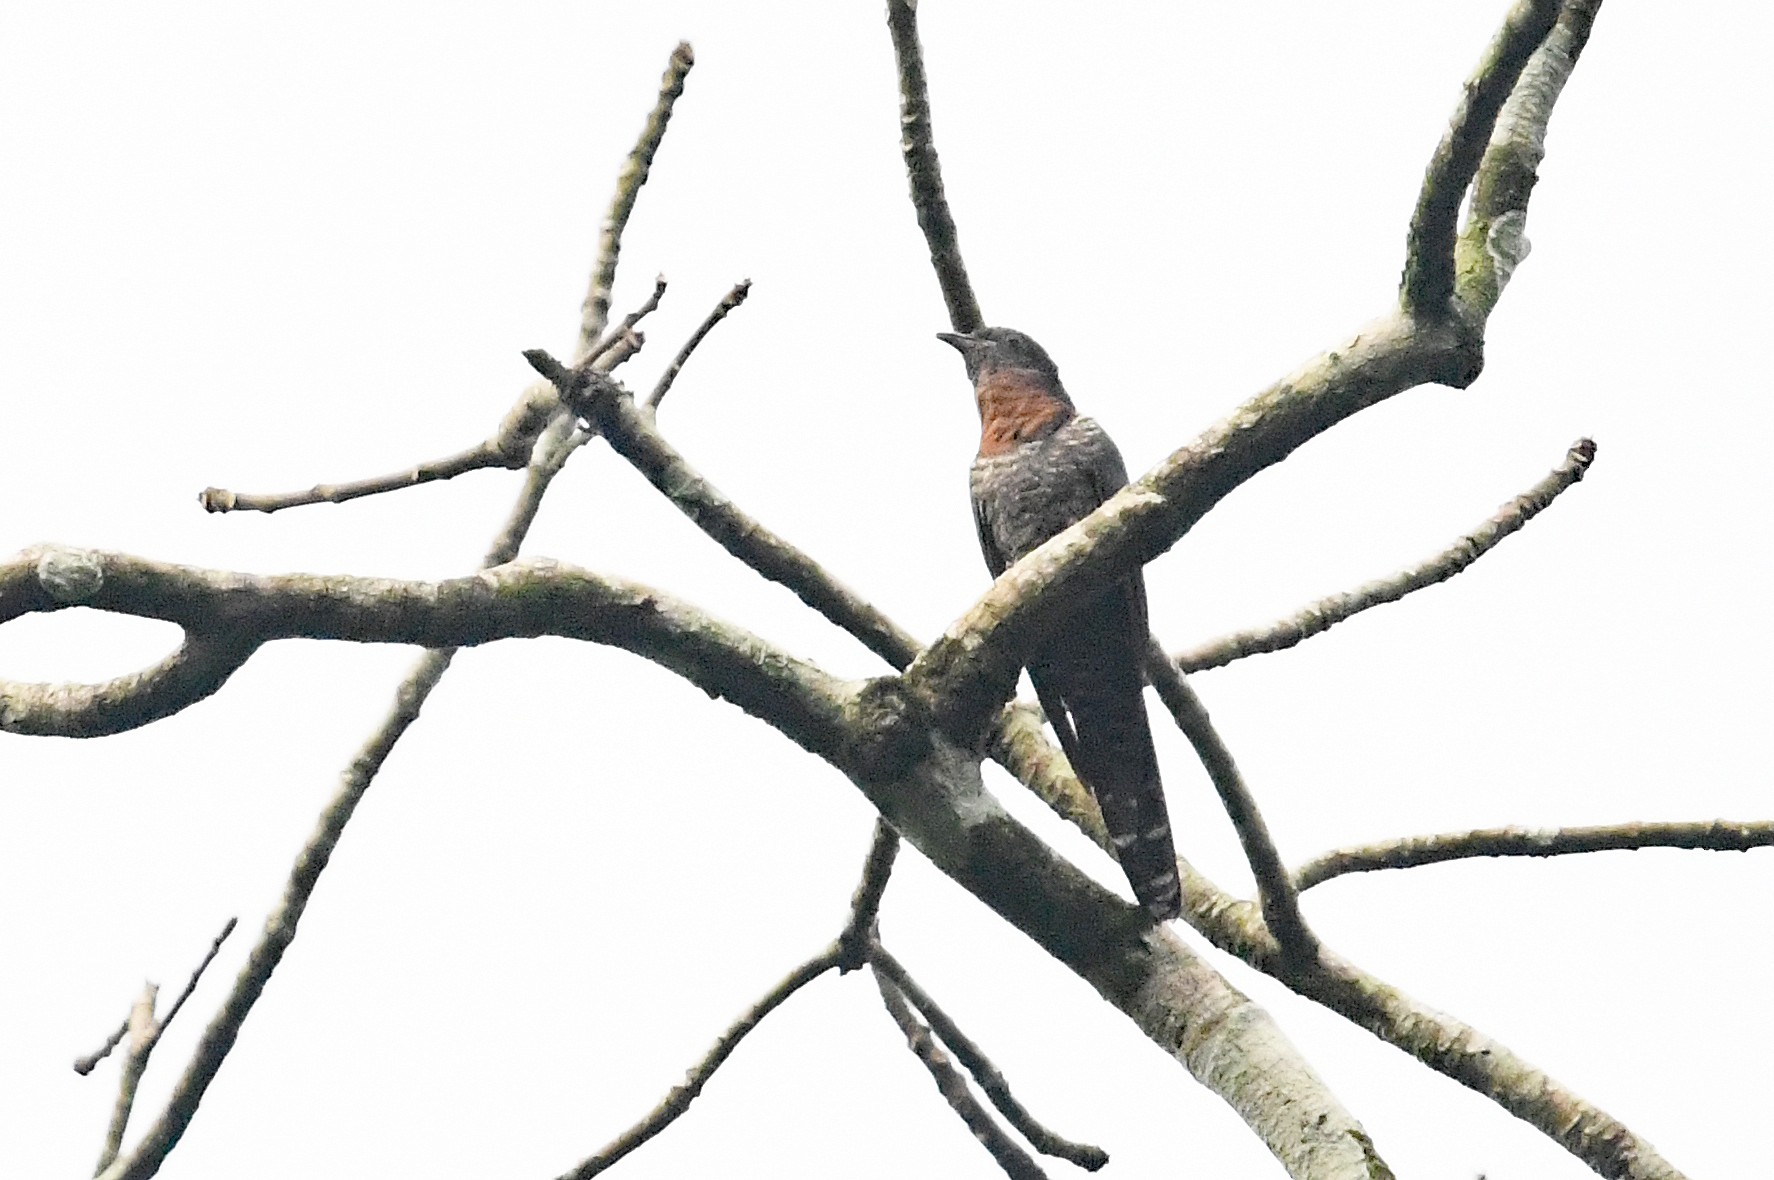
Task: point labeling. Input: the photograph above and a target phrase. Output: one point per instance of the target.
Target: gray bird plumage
(1042, 468)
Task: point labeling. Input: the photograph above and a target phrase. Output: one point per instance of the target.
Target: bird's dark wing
(988, 544)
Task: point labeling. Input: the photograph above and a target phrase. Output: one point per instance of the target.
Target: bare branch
(1493, 242)
(990, 1078)
(918, 145)
(633, 435)
(865, 903)
(678, 1100)
(730, 301)
(953, 1087)
(1428, 286)
(1411, 851)
(1275, 888)
(1327, 612)
(628, 187)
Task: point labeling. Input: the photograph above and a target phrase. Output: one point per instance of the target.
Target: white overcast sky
(262, 246)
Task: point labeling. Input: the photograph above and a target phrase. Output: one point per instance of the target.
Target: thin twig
(918, 145)
(678, 1100)
(476, 458)
(627, 326)
(596, 311)
(865, 902)
(85, 1065)
(1409, 852)
(1428, 284)
(730, 301)
(191, 984)
(1275, 889)
(990, 1079)
(1013, 1159)
(1327, 612)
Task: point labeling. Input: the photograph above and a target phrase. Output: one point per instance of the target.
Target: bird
(1041, 468)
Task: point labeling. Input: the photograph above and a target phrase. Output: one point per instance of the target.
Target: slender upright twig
(596, 312)
(918, 145)
(730, 301)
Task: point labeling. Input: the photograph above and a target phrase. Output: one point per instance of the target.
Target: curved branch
(918, 145)
(200, 666)
(515, 600)
(1428, 286)
(1409, 852)
(1327, 612)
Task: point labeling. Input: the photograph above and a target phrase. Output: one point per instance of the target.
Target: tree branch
(732, 300)
(865, 904)
(1275, 888)
(1494, 243)
(991, 1080)
(1015, 1162)
(628, 187)
(1409, 852)
(918, 145)
(632, 434)
(1428, 286)
(1448, 1046)
(1327, 612)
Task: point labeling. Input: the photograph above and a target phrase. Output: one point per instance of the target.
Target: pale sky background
(264, 246)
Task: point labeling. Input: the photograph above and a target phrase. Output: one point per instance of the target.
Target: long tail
(1115, 758)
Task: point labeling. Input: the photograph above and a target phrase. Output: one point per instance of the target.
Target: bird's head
(997, 350)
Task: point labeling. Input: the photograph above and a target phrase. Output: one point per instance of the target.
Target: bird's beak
(960, 340)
